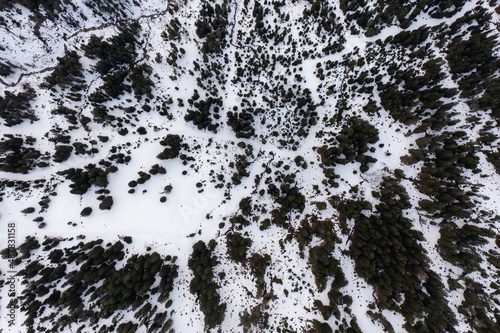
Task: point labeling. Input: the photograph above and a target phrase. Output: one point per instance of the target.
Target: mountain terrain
(249, 166)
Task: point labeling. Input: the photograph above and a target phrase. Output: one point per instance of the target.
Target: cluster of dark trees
(447, 154)
(120, 73)
(324, 266)
(16, 155)
(237, 246)
(95, 274)
(288, 196)
(6, 68)
(53, 8)
(34, 5)
(299, 118)
(402, 12)
(459, 245)
(471, 59)
(114, 86)
(116, 57)
(173, 56)
(442, 175)
(475, 306)
(304, 112)
(158, 169)
(241, 164)
(172, 144)
(205, 114)
(452, 199)
(420, 99)
(81, 148)
(173, 30)
(388, 255)
(203, 286)
(141, 83)
(411, 39)
(100, 112)
(67, 72)
(258, 13)
(106, 202)
(62, 153)
(351, 145)
(22, 252)
(257, 318)
(475, 67)
(69, 114)
(83, 179)
(322, 263)
(14, 108)
(241, 220)
(326, 16)
(144, 177)
(241, 123)
(258, 265)
(212, 25)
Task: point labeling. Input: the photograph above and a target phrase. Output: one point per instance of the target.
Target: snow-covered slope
(246, 166)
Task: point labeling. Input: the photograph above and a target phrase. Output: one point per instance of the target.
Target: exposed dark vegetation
(18, 155)
(14, 108)
(67, 72)
(205, 114)
(289, 197)
(203, 286)
(388, 254)
(172, 144)
(83, 179)
(116, 64)
(212, 27)
(350, 145)
(237, 246)
(54, 8)
(51, 289)
(399, 12)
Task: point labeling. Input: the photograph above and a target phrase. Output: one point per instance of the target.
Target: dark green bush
(86, 211)
(106, 203)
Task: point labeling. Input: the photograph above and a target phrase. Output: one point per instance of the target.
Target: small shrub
(106, 203)
(86, 211)
(28, 210)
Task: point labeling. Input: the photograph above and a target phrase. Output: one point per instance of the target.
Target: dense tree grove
(67, 71)
(17, 156)
(96, 276)
(172, 144)
(83, 179)
(400, 12)
(351, 145)
(387, 253)
(212, 26)
(14, 108)
(68, 113)
(442, 178)
(237, 246)
(207, 111)
(241, 123)
(289, 198)
(472, 61)
(201, 263)
(6, 68)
